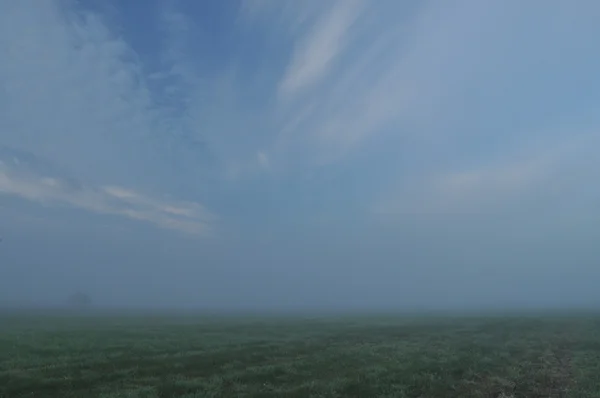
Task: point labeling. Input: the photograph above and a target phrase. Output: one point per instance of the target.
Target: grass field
(176, 356)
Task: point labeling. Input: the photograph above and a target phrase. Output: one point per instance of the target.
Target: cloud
(534, 173)
(263, 159)
(356, 68)
(373, 95)
(77, 87)
(75, 91)
(363, 73)
(72, 89)
(471, 191)
(441, 108)
(288, 15)
(24, 177)
(317, 52)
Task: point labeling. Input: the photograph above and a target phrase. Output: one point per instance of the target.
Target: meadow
(151, 356)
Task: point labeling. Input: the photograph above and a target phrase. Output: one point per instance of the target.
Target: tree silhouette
(79, 300)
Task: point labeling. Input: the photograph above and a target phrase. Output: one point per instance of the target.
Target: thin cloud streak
(35, 186)
(533, 173)
(317, 52)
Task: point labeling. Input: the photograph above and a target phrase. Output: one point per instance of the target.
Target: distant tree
(79, 300)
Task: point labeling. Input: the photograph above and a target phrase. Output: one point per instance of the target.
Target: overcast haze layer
(285, 154)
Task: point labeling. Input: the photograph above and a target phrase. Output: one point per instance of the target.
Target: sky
(284, 154)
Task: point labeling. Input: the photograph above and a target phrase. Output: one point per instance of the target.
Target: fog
(476, 267)
(300, 156)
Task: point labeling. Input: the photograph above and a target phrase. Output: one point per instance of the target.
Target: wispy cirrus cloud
(76, 91)
(317, 52)
(457, 88)
(556, 170)
(471, 191)
(294, 88)
(30, 178)
(375, 71)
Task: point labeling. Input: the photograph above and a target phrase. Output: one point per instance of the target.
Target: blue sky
(300, 153)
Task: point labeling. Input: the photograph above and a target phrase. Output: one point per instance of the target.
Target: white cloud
(317, 52)
(263, 159)
(562, 166)
(290, 16)
(74, 91)
(340, 73)
(30, 184)
(391, 68)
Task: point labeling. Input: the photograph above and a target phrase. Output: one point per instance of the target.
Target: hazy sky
(286, 153)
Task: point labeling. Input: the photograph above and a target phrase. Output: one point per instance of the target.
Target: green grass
(143, 356)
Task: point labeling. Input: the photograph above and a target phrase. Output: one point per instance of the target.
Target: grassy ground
(110, 357)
